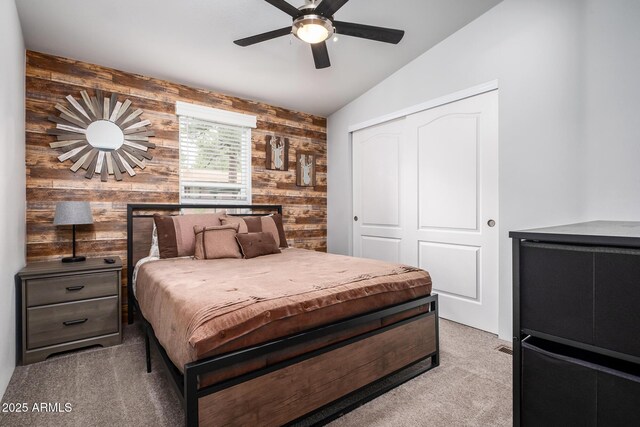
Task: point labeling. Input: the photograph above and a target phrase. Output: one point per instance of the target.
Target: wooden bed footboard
(311, 383)
(291, 390)
(300, 388)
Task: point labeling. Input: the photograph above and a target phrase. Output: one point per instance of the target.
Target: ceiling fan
(313, 23)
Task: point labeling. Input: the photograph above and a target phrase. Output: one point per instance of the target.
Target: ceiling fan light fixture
(312, 29)
(313, 24)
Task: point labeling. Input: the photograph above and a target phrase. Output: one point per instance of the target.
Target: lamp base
(74, 259)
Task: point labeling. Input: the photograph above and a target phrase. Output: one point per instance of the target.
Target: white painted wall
(12, 180)
(612, 108)
(535, 48)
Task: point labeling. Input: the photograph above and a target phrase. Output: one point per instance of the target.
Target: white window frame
(222, 117)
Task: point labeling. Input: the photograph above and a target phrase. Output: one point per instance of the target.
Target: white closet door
(425, 193)
(378, 156)
(453, 208)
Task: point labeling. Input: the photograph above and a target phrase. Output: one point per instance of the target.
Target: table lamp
(73, 213)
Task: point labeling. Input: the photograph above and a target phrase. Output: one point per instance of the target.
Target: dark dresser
(576, 325)
(66, 306)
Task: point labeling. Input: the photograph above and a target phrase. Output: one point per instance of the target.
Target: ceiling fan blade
(285, 7)
(321, 55)
(263, 37)
(329, 7)
(381, 34)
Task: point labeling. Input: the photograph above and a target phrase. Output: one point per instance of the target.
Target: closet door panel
(380, 180)
(452, 222)
(447, 177)
(378, 191)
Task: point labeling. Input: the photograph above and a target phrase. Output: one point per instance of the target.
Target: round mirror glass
(105, 135)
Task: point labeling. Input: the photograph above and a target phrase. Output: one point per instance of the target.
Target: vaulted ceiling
(191, 42)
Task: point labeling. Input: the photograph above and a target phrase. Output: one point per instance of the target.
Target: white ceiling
(191, 42)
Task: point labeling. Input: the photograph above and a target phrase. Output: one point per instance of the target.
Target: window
(215, 155)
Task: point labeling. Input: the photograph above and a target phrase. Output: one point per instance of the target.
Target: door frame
(427, 105)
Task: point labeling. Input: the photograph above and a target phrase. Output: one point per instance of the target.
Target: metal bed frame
(186, 385)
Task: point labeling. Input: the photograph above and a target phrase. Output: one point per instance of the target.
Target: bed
(274, 339)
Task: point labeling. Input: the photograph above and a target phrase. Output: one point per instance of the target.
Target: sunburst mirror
(102, 135)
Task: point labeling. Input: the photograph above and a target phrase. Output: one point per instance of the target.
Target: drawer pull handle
(74, 322)
(75, 288)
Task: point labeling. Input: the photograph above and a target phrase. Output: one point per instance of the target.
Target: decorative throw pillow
(257, 244)
(216, 242)
(255, 224)
(175, 232)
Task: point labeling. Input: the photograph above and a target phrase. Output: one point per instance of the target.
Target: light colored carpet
(105, 386)
(471, 387)
(109, 387)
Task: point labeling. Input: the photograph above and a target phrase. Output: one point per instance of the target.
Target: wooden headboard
(140, 229)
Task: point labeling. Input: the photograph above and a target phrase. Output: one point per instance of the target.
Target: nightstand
(66, 306)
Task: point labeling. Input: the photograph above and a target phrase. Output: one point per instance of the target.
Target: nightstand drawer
(71, 321)
(71, 288)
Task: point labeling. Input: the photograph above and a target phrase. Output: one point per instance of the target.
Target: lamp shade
(73, 213)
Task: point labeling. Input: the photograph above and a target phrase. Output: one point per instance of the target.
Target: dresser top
(609, 233)
(59, 267)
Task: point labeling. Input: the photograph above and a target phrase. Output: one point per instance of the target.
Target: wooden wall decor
(305, 169)
(277, 156)
(102, 135)
(50, 79)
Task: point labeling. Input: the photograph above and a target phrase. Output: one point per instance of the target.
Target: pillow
(255, 224)
(257, 244)
(175, 232)
(154, 252)
(216, 242)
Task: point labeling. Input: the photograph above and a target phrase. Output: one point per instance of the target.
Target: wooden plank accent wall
(49, 79)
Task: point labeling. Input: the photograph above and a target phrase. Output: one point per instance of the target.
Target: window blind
(215, 162)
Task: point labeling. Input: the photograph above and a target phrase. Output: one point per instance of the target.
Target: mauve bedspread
(203, 307)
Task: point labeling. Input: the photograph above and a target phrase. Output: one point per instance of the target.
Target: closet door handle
(355, 218)
(491, 223)
(74, 322)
